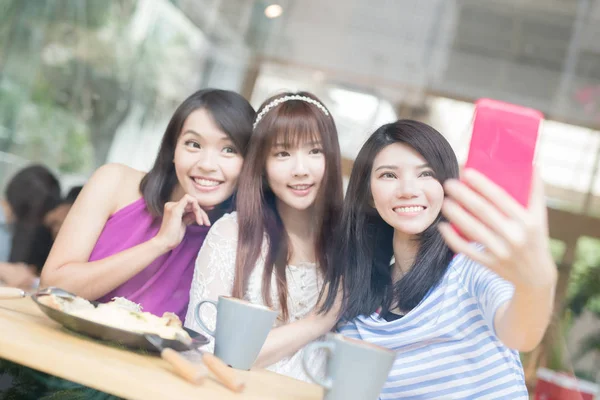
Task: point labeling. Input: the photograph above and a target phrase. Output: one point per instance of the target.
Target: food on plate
(65, 304)
(120, 313)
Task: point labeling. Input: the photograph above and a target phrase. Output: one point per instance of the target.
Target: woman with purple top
(136, 235)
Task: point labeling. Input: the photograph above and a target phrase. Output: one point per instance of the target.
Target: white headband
(280, 100)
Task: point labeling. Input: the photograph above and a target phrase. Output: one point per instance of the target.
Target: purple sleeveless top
(164, 285)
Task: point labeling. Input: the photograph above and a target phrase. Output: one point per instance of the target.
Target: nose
(407, 189)
(299, 168)
(207, 161)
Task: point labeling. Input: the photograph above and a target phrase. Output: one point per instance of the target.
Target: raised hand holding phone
(500, 202)
(502, 147)
(514, 238)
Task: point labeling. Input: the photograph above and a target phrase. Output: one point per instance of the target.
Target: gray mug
(356, 370)
(241, 330)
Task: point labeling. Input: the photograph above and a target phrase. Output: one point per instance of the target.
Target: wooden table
(29, 338)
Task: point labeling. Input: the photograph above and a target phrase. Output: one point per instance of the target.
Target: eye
(316, 150)
(192, 144)
(282, 154)
(388, 175)
(230, 150)
(427, 174)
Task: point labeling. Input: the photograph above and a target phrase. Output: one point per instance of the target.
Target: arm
(286, 340)
(513, 313)
(68, 267)
(521, 322)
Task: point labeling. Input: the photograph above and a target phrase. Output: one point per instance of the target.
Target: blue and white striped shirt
(446, 346)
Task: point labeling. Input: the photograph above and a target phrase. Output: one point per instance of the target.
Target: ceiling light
(273, 11)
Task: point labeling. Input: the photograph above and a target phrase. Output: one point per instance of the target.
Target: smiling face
(295, 174)
(207, 163)
(405, 191)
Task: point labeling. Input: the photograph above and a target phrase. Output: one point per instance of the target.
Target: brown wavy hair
(291, 122)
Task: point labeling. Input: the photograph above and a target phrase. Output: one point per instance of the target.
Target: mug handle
(198, 317)
(326, 382)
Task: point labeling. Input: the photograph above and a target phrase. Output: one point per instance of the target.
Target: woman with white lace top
(272, 251)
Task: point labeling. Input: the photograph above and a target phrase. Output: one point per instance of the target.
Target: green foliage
(584, 286)
(60, 78)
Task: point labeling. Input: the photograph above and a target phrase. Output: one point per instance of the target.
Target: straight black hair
(233, 115)
(361, 257)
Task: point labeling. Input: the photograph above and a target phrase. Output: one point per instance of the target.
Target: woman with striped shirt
(456, 314)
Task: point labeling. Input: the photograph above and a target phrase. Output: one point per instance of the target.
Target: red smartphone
(503, 145)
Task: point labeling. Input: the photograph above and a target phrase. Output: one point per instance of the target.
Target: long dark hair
(364, 248)
(31, 193)
(291, 122)
(232, 114)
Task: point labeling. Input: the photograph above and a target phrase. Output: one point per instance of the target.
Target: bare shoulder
(118, 172)
(118, 181)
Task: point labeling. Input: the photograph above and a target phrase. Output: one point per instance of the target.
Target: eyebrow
(224, 137)
(395, 167)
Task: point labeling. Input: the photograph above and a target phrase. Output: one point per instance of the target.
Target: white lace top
(213, 276)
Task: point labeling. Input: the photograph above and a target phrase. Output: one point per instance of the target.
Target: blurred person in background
(25, 241)
(55, 217)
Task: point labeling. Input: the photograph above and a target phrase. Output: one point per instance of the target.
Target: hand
(176, 217)
(17, 275)
(515, 238)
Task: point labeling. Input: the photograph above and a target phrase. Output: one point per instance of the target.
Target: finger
(461, 246)
(186, 204)
(169, 206)
(201, 216)
(494, 194)
(189, 218)
(191, 204)
(178, 208)
(205, 217)
(474, 229)
(478, 206)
